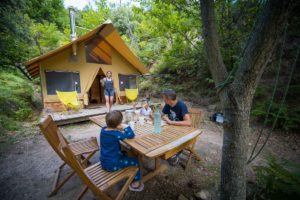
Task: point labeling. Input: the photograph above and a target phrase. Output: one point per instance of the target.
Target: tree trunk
(234, 150)
(236, 98)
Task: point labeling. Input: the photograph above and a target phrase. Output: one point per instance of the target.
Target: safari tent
(80, 64)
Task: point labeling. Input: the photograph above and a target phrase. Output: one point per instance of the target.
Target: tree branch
(211, 42)
(259, 49)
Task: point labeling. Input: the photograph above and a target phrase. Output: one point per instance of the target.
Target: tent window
(127, 81)
(62, 81)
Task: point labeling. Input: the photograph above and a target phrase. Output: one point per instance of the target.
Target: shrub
(279, 180)
(7, 123)
(289, 118)
(15, 99)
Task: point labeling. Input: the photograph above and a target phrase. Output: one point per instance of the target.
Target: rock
(182, 197)
(203, 195)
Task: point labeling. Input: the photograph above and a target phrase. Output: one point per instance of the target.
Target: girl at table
(111, 157)
(146, 111)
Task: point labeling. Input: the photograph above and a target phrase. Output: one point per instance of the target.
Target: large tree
(236, 94)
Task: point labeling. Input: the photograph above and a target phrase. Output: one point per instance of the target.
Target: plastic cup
(141, 120)
(131, 124)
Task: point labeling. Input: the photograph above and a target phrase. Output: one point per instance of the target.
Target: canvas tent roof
(107, 32)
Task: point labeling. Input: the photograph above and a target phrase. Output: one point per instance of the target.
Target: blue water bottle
(157, 121)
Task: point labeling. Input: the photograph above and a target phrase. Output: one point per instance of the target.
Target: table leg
(140, 157)
(158, 169)
(157, 163)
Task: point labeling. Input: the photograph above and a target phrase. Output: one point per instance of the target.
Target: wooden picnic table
(170, 141)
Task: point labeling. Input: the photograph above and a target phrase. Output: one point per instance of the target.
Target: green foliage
(14, 34)
(91, 18)
(235, 21)
(29, 28)
(289, 117)
(47, 10)
(23, 113)
(21, 38)
(47, 36)
(7, 124)
(15, 96)
(279, 180)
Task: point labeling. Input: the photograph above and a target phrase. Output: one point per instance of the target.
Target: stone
(203, 195)
(182, 197)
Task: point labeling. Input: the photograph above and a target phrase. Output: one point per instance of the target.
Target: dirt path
(27, 168)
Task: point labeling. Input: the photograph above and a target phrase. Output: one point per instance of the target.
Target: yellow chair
(131, 94)
(69, 99)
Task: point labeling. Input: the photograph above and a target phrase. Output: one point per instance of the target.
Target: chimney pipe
(72, 23)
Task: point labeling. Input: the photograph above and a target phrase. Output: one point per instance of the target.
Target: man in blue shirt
(175, 113)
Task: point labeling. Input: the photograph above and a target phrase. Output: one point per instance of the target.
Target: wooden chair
(131, 94)
(69, 100)
(94, 177)
(197, 117)
(84, 150)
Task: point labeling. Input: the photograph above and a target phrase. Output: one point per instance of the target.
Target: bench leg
(130, 176)
(57, 185)
(85, 160)
(83, 191)
(192, 152)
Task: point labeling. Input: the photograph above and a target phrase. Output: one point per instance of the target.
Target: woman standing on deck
(109, 90)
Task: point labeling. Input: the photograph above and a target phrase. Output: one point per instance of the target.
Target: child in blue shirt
(111, 157)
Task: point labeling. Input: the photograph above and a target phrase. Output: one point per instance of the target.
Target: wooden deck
(62, 118)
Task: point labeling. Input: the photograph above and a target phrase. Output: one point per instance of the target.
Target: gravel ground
(27, 168)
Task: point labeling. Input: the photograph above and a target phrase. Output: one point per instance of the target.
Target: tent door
(96, 93)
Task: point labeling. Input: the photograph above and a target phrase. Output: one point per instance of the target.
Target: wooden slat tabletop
(150, 144)
(138, 129)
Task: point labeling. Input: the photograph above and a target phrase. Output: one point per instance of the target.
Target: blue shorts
(109, 93)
